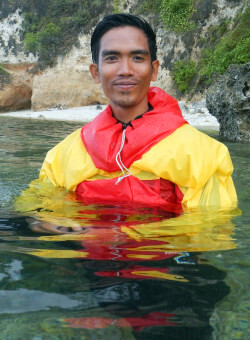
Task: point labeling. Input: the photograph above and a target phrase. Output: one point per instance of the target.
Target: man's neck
(127, 114)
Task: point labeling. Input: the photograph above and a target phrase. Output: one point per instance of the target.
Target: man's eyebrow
(109, 52)
(142, 51)
(114, 52)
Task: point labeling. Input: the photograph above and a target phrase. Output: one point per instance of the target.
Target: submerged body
(161, 162)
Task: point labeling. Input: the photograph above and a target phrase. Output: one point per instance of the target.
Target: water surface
(122, 273)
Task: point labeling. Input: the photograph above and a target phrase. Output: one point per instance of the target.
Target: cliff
(228, 99)
(44, 47)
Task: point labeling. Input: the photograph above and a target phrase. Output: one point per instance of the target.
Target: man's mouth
(125, 85)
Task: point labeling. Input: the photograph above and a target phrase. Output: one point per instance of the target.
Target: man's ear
(155, 68)
(93, 68)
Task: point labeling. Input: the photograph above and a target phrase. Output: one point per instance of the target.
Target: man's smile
(125, 84)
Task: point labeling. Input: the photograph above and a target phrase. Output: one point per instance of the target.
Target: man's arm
(197, 163)
(68, 163)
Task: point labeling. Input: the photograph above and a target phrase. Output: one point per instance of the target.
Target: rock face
(11, 46)
(228, 99)
(16, 88)
(65, 88)
(69, 83)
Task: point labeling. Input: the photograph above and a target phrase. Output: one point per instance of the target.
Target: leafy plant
(183, 72)
(52, 27)
(44, 42)
(3, 71)
(149, 6)
(116, 5)
(233, 48)
(5, 77)
(176, 15)
(31, 43)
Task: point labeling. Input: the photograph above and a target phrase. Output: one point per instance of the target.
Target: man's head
(121, 20)
(124, 63)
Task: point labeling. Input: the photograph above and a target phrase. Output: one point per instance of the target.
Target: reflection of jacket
(170, 162)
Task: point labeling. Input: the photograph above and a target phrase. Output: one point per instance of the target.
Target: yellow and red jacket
(167, 162)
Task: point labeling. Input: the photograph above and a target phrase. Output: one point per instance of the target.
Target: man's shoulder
(70, 147)
(73, 136)
(68, 142)
(194, 139)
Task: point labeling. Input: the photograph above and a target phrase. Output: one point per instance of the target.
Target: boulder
(66, 87)
(17, 97)
(15, 88)
(228, 99)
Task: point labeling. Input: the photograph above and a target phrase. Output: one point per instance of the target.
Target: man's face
(124, 68)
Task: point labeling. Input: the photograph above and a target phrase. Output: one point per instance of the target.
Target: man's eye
(138, 58)
(111, 58)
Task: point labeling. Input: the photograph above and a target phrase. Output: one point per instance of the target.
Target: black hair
(121, 20)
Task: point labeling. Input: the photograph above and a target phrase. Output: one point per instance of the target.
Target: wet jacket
(158, 160)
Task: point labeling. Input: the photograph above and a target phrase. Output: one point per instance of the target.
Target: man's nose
(125, 67)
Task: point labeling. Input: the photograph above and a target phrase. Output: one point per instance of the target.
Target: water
(129, 273)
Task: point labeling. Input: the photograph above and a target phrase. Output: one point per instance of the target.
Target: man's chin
(124, 103)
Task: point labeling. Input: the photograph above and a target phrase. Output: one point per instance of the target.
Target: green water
(37, 293)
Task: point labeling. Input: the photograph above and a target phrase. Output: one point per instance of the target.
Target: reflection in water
(171, 295)
(144, 265)
(122, 232)
(186, 308)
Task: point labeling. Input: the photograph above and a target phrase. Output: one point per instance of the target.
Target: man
(139, 150)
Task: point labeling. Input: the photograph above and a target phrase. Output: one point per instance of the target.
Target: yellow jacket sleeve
(68, 163)
(197, 163)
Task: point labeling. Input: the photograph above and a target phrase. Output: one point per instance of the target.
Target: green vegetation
(46, 42)
(175, 14)
(116, 4)
(149, 6)
(226, 44)
(183, 73)
(5, 77)
(3, 71)
(52, 27)
(233, 48)
(119, 6)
